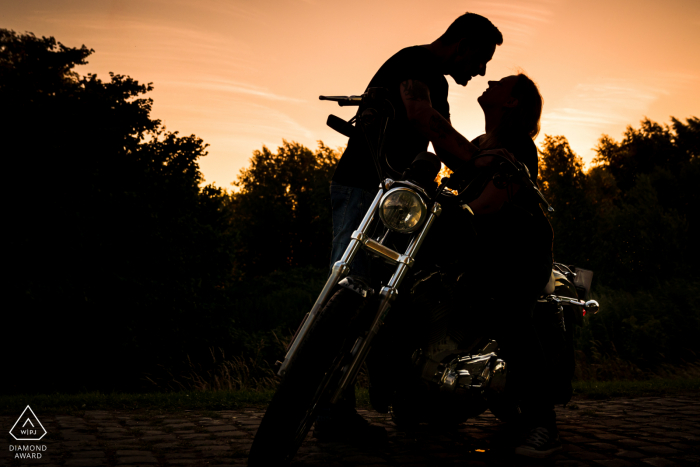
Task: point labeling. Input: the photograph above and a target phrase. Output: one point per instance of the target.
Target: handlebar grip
(343, 100)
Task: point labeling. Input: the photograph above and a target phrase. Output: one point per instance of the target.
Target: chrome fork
(340, 270)
(388, 294)
(360, 239)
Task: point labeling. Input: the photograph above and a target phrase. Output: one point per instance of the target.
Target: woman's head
(516, 103)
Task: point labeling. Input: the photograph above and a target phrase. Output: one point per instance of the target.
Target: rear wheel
(309, 380)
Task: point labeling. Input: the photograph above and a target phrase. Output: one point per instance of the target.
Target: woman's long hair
(523, 119)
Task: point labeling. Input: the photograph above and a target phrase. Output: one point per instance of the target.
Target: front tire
(309, 381)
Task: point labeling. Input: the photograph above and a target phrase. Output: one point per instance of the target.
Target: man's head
(471, 40)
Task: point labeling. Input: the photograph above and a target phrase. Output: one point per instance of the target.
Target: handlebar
(521, 170)
(591, 306)
(342, 100)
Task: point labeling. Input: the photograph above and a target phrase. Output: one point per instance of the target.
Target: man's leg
(349, 206)
(342, 422)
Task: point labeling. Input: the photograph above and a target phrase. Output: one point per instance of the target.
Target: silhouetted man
(415, 79)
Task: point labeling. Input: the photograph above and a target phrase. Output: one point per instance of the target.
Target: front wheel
(309, 380)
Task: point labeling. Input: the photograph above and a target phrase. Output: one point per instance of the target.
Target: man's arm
(427, 120)
(453, 162)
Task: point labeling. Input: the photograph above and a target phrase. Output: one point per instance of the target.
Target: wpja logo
(28, 427)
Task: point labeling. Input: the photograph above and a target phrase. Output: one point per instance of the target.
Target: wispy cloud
(162, 36)
(234, 87)
(608, 105)
(614, 101)
(518, 22)
(600, 104)
(247, 11)
(282, 125)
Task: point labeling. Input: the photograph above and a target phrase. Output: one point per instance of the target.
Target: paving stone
(588, 456)
(137, 460)
(114, 436)
(156, 438)
(121, 445)
(179, 455)
(214, 448)
(231, 434)
(194, 436)
(183, 425)
(629, 442)
(88, 462)
(73, 445)
(665, 450)
(166, 445)
(608, 436)
(250, 422)
(215, 428)
(614, 463)
(92, 454)
(683, 446)
(133, 453)
(601, 447)
(659, 462)
(364, 460)
(630, 454)
(657, 439)
(576, 439)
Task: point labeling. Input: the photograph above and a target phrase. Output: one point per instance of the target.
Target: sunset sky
(241, 74)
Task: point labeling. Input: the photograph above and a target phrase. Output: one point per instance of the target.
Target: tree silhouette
(631, 217)
(564, 184)
(282, 211)
(118, 257)
(656, 208)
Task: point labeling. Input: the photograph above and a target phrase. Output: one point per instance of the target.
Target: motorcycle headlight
(402, 210)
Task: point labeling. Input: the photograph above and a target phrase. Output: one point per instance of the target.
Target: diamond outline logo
(29, 419)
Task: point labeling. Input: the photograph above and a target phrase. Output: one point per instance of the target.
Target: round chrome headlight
(402, 210)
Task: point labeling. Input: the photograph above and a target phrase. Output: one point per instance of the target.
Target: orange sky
(240, 73)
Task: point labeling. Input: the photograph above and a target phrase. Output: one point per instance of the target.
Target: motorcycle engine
(450, 358)
(455, 372)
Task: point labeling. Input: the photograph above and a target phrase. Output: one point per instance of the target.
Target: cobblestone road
(616, 433)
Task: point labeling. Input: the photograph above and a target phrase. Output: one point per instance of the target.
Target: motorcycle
(451, 376)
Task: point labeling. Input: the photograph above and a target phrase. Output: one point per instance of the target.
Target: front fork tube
(340, 270)
(388, 294)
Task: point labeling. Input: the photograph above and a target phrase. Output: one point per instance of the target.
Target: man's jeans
(349, 205)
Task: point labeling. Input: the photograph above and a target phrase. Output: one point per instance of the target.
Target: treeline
(634, 219)
(122, 268)
(120, 265)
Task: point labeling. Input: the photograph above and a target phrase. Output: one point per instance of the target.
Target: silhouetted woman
(511, 258)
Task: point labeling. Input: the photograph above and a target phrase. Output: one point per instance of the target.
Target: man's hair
(475, 28)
